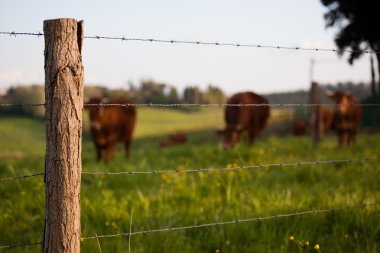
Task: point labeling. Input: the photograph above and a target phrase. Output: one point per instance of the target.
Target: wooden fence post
(63, 122)
(315, 113)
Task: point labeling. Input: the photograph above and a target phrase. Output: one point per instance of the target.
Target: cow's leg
(109, 152)
(98, 153)
(352, 137)
(251, 136)
(346, 138)
(341, 139)
(127, 145)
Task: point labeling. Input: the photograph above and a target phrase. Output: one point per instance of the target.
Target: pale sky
(114, 63)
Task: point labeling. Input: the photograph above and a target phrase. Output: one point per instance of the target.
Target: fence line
(216, 223)
(228, 169)
(200, 105)
(237, 220)
(227, 105)
(12, 246)
(154, 171)
(193, 42)
(22, 105)
(21, 177)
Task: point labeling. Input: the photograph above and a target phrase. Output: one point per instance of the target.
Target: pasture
(182, 199)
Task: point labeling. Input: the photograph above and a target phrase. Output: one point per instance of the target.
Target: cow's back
(119, 120)
(247, 115)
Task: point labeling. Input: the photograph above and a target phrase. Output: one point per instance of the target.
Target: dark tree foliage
(358, 22)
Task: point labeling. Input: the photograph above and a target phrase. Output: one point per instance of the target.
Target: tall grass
(166, 200)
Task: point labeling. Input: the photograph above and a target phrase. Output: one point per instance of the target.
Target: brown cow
(327, 117)
(244, 118)
(111, 124)
(347, 116)
(300, 127)
(176, 138)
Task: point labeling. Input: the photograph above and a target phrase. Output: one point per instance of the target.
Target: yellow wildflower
(307, 243)
(316, 246)
(291, 238)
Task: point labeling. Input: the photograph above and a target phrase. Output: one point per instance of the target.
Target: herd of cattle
(112, 124)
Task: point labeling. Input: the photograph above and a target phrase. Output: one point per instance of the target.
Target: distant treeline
(360, 90)
(153, 92)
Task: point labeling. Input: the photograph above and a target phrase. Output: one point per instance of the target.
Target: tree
(173, 96)
(358, 23)
(192, 95)
(214, 95)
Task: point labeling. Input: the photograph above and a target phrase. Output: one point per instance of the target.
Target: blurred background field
(170, 200)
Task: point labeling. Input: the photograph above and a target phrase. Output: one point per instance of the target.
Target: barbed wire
(217, 223)
(22, 105)
(21, 177)
(323, 162)
(38, 34)
(227, 105)
(235, 221)
(199, 105)
(11, 246)
(204, 43)
(154, 171)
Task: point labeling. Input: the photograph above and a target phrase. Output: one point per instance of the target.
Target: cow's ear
(219, 131)
(349, 95)
(330, 94)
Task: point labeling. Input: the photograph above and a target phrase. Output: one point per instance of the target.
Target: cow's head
(231, 135)
(94, 106)
(343, 100)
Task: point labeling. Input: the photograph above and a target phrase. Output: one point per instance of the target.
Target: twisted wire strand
(235, 221)
(216, 223)
(21, 177)
(226, 105)
(242, 167)
(199, 105)
(154, 171)
(21, 245)
(205, 43)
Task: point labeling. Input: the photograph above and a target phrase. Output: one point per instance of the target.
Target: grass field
(171, 200)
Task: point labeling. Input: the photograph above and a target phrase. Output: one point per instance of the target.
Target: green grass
(170, 200)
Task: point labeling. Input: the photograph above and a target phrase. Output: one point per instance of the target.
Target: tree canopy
(358, 23)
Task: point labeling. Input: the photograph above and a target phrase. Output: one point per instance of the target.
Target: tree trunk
(373, 80)
(378, 73)
(63, 122)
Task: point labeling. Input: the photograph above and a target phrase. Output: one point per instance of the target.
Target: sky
(116, 63)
